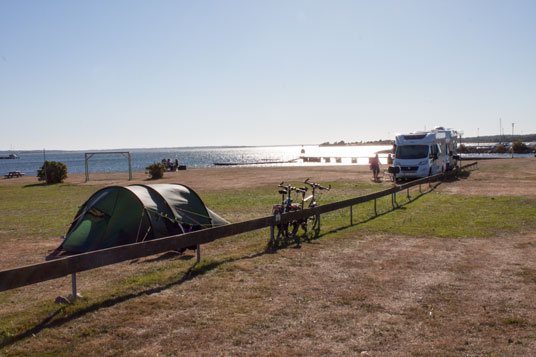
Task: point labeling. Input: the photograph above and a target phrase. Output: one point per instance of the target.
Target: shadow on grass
(51, 321)
(35, 185)
(172, 255)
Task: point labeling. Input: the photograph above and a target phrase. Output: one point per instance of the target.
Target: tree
(519, 147)
(52, 172)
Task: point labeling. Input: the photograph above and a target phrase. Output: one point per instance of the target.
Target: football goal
(126, 155)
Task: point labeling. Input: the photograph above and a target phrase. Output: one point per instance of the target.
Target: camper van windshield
(411, 151)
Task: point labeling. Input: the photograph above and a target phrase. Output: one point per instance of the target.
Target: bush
(156, 170)
(499, 149)
(519, 147)
(56, 172)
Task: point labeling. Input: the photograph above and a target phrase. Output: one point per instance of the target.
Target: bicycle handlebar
(316, 185)
(290, 188)
(300, 190)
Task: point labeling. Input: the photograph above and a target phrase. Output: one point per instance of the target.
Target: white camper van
(423, 154)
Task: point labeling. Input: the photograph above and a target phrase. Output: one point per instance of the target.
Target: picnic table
(14, 174)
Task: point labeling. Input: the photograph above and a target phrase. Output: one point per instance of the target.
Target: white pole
(500, 130)
(513, 140)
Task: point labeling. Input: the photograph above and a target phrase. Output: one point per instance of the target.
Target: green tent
(119, 215)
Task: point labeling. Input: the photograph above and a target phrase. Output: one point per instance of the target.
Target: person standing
(375, 167)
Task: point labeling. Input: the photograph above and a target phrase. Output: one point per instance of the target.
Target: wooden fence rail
(32, 274)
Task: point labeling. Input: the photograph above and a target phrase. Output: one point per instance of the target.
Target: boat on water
(11, 156)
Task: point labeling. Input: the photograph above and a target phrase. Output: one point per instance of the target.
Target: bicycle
(284, 234)
(289, 230)
(313, 221)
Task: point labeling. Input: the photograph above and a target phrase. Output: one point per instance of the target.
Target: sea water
(202, 157)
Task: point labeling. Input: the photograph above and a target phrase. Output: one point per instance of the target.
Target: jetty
(360, 160)
(267, 162)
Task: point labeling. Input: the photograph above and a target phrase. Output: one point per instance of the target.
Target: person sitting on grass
(375, 167)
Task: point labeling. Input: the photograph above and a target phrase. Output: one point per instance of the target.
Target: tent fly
(119, 215)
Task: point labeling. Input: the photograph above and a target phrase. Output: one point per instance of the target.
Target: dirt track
(221, 178)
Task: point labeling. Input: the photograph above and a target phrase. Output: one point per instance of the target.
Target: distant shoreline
(37, 151)
(368, 143)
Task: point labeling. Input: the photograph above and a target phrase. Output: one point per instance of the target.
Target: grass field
(397, 283)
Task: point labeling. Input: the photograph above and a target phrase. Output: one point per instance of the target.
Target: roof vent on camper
(414, 136)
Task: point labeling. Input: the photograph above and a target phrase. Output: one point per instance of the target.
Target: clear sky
(133, 74)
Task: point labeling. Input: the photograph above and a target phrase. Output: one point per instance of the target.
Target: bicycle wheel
(303, 225)
(293, 233)
(282, 235)
(314, 223)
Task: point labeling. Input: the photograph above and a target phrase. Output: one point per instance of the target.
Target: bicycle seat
(283, 192)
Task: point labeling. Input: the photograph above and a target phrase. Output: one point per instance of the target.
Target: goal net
(108, 165)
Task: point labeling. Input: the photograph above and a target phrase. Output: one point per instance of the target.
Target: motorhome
(422, 154)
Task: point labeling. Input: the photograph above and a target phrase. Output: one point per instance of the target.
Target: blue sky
(131, 74)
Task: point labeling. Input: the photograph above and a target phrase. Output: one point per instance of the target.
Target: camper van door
(438, 159)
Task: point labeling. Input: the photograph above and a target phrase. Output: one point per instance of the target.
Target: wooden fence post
(351, 216)
(198, 253)
(73, 283)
